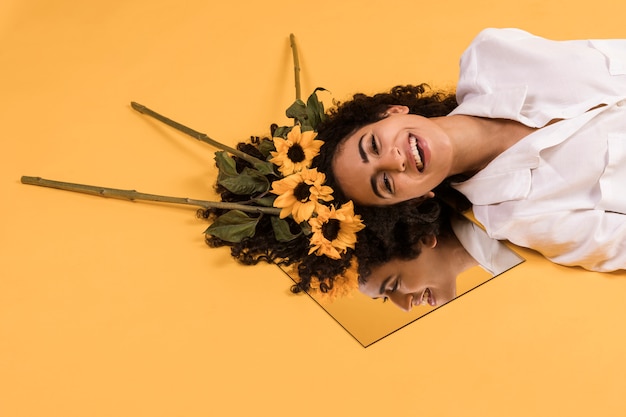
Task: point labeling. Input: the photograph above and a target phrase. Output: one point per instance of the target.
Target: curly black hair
(397, 234)
(347, 117)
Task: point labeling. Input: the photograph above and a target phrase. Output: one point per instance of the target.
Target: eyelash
(376, 151)
(387, 183)
(395, 287)
(374, 146)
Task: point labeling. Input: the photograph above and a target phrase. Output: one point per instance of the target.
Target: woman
(537, 143)
(417, 263)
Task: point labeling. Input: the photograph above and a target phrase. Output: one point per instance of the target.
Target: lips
(427, 298)
(418, 154)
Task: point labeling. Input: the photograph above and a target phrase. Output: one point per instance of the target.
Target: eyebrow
(362, 151)
(366, 160)
(375, 186)
(384, 285)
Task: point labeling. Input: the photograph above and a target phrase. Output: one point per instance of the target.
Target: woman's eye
(374, 146)
(385, 299)
(387, 183)
(395, 286)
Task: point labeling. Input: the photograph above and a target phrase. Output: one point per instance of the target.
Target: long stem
(194, 133)
(296, 65)
(133, 195)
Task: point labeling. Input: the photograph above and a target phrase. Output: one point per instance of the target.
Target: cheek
(410, 187)
(415, 279)
(447, 285)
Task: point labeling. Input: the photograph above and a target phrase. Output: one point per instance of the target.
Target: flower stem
(133, 195)
(194, 133)
(296, 65)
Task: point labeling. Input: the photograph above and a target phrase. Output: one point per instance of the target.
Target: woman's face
(425, 279)
(398, 158)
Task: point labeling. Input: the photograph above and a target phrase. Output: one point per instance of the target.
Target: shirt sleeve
(592, 239)
(552, 79)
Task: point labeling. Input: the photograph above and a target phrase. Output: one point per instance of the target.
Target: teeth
(416, 154)
(425, 297)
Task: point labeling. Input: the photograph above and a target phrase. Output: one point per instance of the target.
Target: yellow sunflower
(334, 230)
(299, 194)
(296, 152)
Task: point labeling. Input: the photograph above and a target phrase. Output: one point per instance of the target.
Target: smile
(427, 298)
(417, 153)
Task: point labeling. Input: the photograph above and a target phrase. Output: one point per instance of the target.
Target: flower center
(295, 153)
(330, 229)
(301, 192)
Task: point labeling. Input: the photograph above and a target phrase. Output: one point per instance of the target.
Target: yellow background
(112, 308)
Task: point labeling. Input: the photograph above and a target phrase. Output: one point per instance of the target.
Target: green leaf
(226, 166)
(282, 131)
(266, 146)
(249, 181)
(306, 228)
(282, 231)
(315, 109)
(297, 111)
(225, 163)
(234, 226)
(266, 201)
(265, 168)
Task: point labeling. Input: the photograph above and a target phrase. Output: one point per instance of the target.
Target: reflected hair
(398, 234)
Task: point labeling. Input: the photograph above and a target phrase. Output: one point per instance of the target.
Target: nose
(404, 301)
(393, 160)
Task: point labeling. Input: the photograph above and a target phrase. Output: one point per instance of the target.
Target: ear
(396, 109)
(429, 241)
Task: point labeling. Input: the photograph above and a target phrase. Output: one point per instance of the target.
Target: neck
(460, 259)
(476, 141)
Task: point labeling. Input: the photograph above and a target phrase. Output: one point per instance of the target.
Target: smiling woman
(428, 278)
(511, 146)
(352, 138)
(413, 263)
(393, 155)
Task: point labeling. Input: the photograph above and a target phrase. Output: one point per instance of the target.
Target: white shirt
(491, 254)
(562, 189)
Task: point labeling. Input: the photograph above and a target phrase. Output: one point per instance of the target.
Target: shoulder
(497, 36)
(503, 45)
(491, 34)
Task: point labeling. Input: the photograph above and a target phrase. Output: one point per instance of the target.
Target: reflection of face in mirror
(414, 243)
(428, 276)
(427, 279)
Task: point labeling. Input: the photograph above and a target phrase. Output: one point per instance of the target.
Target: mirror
(370, 320)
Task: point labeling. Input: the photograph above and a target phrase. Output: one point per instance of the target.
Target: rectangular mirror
(370, 320)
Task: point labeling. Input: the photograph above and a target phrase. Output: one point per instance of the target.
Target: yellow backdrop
(112, 308)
